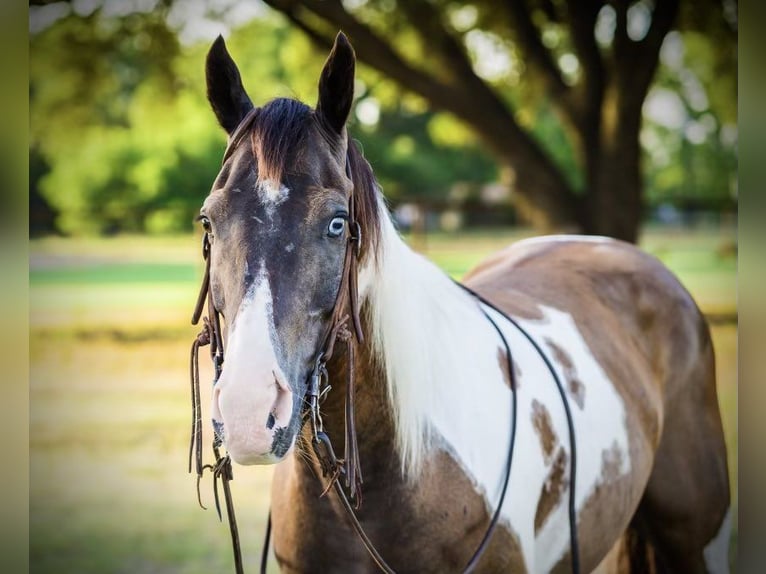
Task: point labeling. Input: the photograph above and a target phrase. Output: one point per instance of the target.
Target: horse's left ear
(336, 84)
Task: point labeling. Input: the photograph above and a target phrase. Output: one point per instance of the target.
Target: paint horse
(432, 404)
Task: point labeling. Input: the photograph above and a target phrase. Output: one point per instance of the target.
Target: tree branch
(636, 62)
(313, 34)
(528, 36)
(582, 23)
(663, 18)
(428, 22)
(432, 30)
(370, 47)
(538, 180)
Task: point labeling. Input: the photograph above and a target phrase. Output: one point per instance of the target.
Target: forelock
(279, 129)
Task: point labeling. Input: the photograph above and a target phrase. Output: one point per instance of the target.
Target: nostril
(270, 421)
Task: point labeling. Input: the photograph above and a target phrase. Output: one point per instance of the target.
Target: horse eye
(206, 224)
(337, 225)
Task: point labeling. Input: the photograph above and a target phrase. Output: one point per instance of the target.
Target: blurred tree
(87, 75)
(692, 154)
(591, 61)
(123, 138)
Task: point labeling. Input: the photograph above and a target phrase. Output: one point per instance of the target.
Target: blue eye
(337, 225)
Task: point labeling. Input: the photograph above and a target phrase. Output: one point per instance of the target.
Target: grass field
(110, 405)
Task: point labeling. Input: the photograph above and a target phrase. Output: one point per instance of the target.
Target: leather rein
(345, 326)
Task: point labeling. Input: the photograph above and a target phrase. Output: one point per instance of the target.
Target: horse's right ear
(225, 92)
(336, 84)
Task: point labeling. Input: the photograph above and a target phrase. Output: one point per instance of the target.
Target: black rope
(266, 543)
(514, 408)
(573, 542)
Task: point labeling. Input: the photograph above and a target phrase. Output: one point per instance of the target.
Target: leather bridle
(345, 311)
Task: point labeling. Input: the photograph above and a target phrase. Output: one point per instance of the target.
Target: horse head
(279, 220)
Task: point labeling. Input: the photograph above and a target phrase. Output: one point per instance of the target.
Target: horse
(303, 257)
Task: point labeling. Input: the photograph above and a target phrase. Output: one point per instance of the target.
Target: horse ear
(225, 92)
(336, 84)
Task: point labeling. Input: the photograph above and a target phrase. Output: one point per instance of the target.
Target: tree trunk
(613, 204)
(542, 196)
(602, 110)
(613, 200)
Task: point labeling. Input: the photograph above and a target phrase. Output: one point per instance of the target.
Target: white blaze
(272, 194)
(252, 398)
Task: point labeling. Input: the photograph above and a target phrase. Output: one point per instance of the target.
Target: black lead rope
(514, 408)
(573, 542)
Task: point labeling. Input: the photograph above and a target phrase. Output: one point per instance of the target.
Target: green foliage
(104, 99)
(410, 165)
(122, 138)
(694, 164)
(122, 126)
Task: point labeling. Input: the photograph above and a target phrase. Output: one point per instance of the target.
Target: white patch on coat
(444, 380)
(415, 336)
(716, 552)
(271, 194)
(566, 239)
(289, 247)
(252, 386)
(599, 426)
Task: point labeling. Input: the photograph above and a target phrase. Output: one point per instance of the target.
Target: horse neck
(419, 328)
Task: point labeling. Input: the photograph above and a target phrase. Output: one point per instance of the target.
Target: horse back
(636, 317)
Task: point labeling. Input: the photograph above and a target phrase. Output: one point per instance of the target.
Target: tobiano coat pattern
(433, 398)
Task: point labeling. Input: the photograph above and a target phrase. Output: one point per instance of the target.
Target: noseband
(345, 311)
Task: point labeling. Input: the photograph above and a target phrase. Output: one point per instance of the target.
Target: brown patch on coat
(553, 489)
(502, 360)
(541, 420)
(599, 519)
(574, 385)
(611, 463)
(514, 303)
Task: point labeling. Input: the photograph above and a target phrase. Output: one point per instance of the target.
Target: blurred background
(485, 122)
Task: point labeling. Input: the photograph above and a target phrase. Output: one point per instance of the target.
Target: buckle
(314, 392)
(325, 453)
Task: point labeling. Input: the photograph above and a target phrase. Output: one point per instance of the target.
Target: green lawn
(109, 399)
